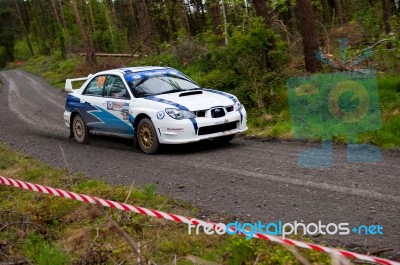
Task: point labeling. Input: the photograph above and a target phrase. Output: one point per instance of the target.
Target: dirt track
(248, 179)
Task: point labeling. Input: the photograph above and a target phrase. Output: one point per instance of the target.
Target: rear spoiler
(68, 82)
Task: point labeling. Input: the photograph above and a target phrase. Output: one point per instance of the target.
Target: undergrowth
(43, 229)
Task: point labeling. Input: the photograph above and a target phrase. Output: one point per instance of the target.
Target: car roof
(129, 70)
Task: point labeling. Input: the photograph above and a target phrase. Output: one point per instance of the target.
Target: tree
(145, 23)
(25, 25)
(132, 18)
(387, 13)
(310, 44)
(339, 11)
(260, 7)
(7, 39)
(215, 15)
(86, 37)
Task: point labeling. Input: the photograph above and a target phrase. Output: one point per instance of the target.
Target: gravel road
(248, 179)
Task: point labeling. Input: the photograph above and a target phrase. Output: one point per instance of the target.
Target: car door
(92, 104)
(116, 99)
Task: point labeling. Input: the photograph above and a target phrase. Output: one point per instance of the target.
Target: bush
(22, 51)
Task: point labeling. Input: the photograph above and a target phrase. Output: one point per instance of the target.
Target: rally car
(153, 105)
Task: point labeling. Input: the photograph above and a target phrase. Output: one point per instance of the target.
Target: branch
(297, 255)
(127, 238)
(365, 50)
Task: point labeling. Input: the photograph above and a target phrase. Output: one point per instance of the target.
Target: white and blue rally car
(157, 105)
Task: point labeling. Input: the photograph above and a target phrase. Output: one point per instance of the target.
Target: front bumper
(172, 131)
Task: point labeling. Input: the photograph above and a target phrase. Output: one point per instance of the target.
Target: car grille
(229, 109)
(217, 128)
(215, 113)
(200, 113)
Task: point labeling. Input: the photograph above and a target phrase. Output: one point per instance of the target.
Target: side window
(115, 88)
(95, 87)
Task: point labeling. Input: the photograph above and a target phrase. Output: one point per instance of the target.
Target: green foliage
(388, 136)
(240, 250)
(8, 158)
(149, 191)
(370, 18)
(54, 68)
(389, 92)
(22, 51)
(43, 253)
(162, 59)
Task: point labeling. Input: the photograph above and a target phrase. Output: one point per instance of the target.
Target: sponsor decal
(122, 107)
(222, 122)
(109, 105)
(175, 129)
(112, 105)
(160, 115)
(125, 114)
(151, 73)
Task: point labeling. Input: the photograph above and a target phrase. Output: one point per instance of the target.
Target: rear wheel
(147, 136)
(225, 138)
(79, 129)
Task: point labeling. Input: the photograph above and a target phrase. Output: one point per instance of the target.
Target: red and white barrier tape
(181, 219)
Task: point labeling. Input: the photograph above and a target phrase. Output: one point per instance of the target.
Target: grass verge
(43, 229)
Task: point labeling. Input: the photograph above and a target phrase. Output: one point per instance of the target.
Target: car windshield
(157, 85)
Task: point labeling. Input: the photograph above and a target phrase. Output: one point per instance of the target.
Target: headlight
(238, 105)
(179, 114)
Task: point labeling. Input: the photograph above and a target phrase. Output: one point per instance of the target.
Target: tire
(80, 130)
(146, 136)
(225, 138)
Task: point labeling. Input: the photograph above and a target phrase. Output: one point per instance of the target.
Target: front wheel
(147, 136)
(225, 138)
(79, 129)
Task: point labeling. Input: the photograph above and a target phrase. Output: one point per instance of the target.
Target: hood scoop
(184, 94)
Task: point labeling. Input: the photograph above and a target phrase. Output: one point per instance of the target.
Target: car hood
(206, 100)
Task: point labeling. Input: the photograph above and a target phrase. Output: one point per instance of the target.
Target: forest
(246, 47)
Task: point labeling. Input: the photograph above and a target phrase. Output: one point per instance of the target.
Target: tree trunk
(60, 31)
(260, 7)
(132, 18)
(215, 17)
(87, 39)
(145, 23)
(199, 14)
(326, 11)
(225, 23)
(292, 17)
(26, 29)
(339, 11)
(310, 44)
(386, 19)
(62, 14)
(386, 15)
(184, 15)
